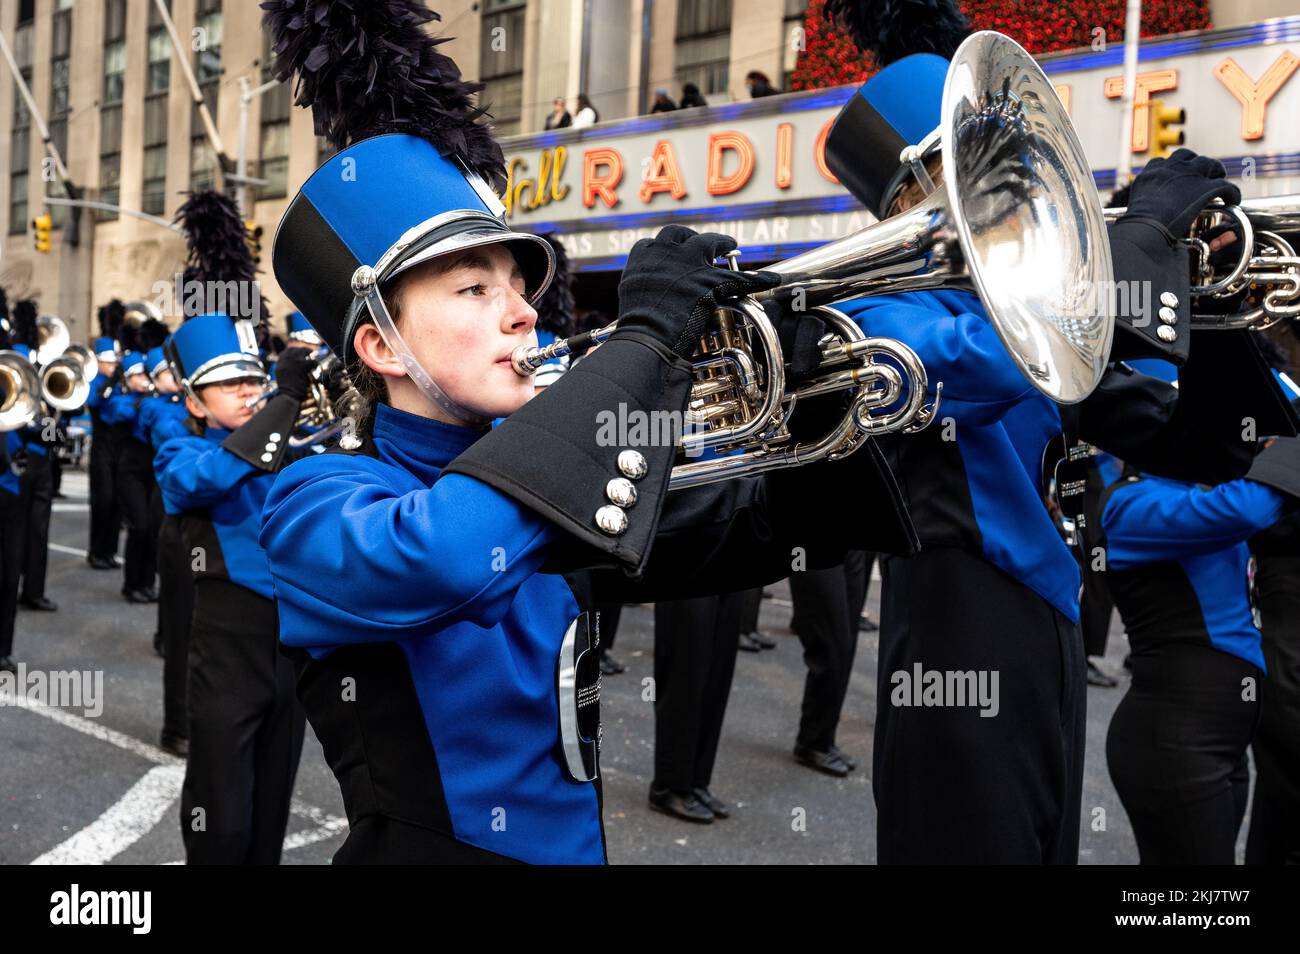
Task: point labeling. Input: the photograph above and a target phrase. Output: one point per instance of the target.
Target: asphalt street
(94, 787)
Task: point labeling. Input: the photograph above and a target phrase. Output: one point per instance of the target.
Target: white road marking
(60, 548)
(126, 822)
(69, 508)
(136, 813)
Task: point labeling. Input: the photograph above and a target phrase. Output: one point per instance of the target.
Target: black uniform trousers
(105, 518)
(952, 785)
(37, 488)
(135, 489)
(245, 729)
(696, 642)
(13, 550)
(1275, 815)
(175, 611)
(828, 604)
(1176, 750)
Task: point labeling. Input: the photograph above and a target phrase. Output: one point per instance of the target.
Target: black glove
(293, 372)
(1173, 191)
(671, 285)
(800, 334)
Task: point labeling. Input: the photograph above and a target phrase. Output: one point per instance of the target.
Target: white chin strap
(366, 288)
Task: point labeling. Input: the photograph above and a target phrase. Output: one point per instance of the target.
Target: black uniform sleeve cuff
(1278, 466)
(264, 439)
(1152, 285)
(572, 451)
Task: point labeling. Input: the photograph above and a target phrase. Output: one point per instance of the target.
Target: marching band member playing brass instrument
(31, 447)
(245, 728)
(994, 590)
(445, 666)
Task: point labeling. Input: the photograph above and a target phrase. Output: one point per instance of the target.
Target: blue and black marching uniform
(1275, 811)
(445, 665)
(245, 728)
(105, 518)
(37, 481)
(162, 418)
(1177, 565)
(994, 588)
(135, 487)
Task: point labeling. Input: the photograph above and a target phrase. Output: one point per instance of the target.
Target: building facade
(106, 77)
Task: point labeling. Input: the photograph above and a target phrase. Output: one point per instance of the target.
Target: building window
(110, 182)
(501, 63)
(18, 203)
(208, 27)
(60, 67)
(26, 12)
(273, 148)
(703, 44)
(203, 164)
(160, 62)
(20, 133)
(207, 68)
(792, 31)
(324, 150)
(153, 192)
(114, 51)
(153, 198)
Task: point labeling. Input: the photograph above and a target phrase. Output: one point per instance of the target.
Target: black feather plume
(555, 309)
(129, 337)
(367, 67)
(24, 323)
(110, 318)
(893, 29)
(218, 252)
(152, 334)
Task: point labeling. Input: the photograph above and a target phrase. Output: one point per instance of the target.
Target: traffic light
(253, 236)
(42, 225)
(1162, 137)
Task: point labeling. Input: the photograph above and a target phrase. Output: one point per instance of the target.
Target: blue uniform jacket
(472, 648)
(160, 418)
(219, 498)
(977, 483)
(1202, 533)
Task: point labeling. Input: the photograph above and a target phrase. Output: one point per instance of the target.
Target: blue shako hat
(133, 362)
(106, 349)
(912, 41)
(155, 361)
(300, 329)
(416, 173)
(212, 348)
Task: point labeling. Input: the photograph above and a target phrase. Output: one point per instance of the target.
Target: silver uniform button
(275, 436)
(1168, 315)
(1165, 333)
(272, 446)
(621, 491)
(611, 520)
(632, 464)
(267, 458)
(1169, 299)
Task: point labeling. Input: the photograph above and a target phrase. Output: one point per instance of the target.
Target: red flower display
(829, 57)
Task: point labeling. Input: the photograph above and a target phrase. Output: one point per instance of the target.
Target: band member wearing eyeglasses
(245, 727)
(448, 670)
(1177, 564)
